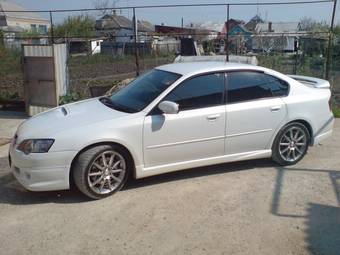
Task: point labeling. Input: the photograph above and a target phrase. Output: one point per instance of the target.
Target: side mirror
(168, 107)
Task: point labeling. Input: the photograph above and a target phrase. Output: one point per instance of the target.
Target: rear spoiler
(311, 81)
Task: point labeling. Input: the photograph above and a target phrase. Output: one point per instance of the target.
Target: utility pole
(52, 29)
(330, 43)
(135, 30)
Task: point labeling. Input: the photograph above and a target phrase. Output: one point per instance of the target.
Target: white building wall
(124, 35)
(96, 46)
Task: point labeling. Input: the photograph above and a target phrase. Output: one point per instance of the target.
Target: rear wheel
(291, 144)
(101, 171)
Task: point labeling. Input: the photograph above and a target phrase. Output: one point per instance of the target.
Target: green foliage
(336, 111)
(10, 61)
(81, 26)
(311, 25)
(29, 34)
(69, 98)
(8, 96)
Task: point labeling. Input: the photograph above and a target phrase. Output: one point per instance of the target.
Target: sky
(172, 16)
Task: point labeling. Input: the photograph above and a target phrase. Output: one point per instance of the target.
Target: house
(211, 28)
(277, 27)
(230, 24)
(121, 30)
(274, 37)
(198, 34)
(240, 38)
(252, 23)
(82, 46)
(14, 23)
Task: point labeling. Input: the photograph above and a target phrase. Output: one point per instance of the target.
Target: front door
(196, 132)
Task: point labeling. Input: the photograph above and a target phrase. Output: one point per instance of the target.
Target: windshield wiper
(109, 103)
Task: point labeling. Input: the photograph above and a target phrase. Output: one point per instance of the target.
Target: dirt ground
(252, 207)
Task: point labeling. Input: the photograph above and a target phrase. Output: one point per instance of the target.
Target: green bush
(69, 98)
(8, 96)
(336, 111)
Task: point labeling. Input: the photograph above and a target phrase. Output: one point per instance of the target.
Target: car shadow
(322, 221)
(199, 172)
(11, 192)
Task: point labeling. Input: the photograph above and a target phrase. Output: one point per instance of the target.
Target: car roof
(187, 68)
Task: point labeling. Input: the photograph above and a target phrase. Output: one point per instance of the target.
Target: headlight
(35, 145)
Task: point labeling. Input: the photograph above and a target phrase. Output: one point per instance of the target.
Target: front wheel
(291, 144)
(101, 171)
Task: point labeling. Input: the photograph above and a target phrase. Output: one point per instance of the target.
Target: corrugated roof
(118, 22)
(11, 6)
(278, 27)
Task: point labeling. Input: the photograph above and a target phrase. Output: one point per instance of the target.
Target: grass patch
(336, 111)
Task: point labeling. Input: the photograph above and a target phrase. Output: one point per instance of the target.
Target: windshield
(143, 90)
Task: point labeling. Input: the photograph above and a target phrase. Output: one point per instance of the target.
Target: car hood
(75, 115)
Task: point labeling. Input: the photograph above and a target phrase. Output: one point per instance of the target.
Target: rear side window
(199, 92)
(246, 85)
(278, 87)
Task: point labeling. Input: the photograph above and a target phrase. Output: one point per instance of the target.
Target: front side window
(143, 90)
(198, 92)
(246, 85)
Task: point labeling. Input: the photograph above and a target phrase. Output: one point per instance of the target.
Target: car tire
(291, 144)
(102, 170)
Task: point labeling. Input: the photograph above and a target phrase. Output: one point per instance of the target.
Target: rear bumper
(318, 139)
(324, 133)
(41, 172)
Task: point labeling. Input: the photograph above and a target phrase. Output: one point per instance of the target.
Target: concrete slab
(252, 207)
(9, 122)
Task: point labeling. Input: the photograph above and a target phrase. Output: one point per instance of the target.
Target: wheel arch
(126, 150)
(304, 122)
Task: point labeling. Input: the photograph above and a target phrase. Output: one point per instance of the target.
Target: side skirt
(142, 172)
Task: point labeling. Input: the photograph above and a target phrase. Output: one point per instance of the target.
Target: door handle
(276, 108)
(213, 117)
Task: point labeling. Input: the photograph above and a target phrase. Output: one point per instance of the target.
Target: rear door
(254, 110)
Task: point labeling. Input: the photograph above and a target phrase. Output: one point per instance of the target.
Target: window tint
(277, 86)
(143, 90)
(245, 86)
(199, 92)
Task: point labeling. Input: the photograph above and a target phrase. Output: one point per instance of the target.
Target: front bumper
(41, 171)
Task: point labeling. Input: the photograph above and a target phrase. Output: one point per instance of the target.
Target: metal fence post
(330, 43)
(52, 29)
(135, 30)
(227, 37)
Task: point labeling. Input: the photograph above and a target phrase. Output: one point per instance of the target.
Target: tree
(310, 25)
(76, 26)
(105, 4)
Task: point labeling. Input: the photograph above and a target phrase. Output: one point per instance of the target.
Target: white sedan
(174, 117)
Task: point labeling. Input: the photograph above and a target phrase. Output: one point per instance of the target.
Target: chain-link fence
(107, 45)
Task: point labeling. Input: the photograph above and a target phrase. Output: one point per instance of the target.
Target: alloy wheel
(106, 172)
(293, 144)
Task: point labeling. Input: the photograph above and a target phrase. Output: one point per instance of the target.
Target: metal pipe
(330, 43)
(178, 5)
(227, 37)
